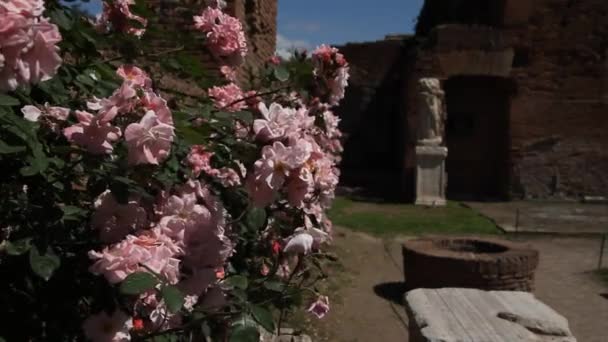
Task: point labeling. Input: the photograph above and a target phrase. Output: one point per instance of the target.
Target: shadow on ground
(392, 291)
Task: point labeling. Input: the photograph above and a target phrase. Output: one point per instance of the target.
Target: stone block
(455, 315)
(430, 175)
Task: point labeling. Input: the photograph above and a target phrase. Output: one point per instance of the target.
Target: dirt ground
(368, 304)
(546, 217)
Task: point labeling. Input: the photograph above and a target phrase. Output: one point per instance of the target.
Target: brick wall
(559, 117)
(259, 22)
(553, 52)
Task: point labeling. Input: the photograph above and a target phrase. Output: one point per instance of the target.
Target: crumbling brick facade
(542, 65)
(259, 19)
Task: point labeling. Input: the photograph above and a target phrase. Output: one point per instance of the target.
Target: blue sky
(309, 23)
(340, 21)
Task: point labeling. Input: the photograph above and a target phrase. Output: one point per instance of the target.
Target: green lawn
(407, 219)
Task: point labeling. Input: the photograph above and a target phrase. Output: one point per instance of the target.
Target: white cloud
(286, 46)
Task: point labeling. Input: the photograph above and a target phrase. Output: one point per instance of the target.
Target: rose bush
(129, 217)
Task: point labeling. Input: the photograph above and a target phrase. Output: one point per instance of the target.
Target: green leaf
(72, 213)
(256, 218)
(165, 338)
(238, 281)
(263, 317)
(276, 286)
(173, 297)
(190, 135)
(245, 333)
(44, 265)
(244, 116)
(281, 73)
(137, 283)
(7, 149)
(60, 18)
(6, 100)
(38, 163)
(18, 247)
(85, 79)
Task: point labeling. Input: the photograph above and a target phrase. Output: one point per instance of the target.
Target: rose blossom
(299, 186)
(227, 97)
(117, 15)
(331, 68)
(150, 250)
(103, 328)
(199, 159)
(28, 45)
(224, 33)
(274, 60)
(229, 72)
(271, 171)
(320, 307)
(123, 100)
(300, 243)
(149, 141)
(182, 214)
(135, 76)
(96, 136)
(50, 116)
(114, 220)
(276, 122)
(152, 101)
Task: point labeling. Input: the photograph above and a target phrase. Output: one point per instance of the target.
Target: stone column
(431, 179)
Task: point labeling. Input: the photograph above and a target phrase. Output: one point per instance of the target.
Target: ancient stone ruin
(487, 264)
(454, 315)
(526, 97)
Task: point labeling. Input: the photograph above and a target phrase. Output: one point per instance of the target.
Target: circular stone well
(481, 263)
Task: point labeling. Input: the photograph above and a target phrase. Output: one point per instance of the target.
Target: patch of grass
(408, 219)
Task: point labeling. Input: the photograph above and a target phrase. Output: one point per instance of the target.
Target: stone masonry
(259, 19)
(548, 59)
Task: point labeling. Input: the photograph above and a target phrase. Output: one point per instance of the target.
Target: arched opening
(477, 135)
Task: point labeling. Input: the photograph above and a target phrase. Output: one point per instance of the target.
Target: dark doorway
(477, 133)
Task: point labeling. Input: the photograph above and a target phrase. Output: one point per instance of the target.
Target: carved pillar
(431, 178)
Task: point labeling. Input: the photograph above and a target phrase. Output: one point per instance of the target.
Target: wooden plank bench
(470, 315)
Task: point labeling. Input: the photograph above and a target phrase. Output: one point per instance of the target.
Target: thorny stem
(271, 92)
(282, 314)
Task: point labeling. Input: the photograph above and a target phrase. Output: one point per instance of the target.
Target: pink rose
(276, 122)
(331, 69)
(227, 97)
(224, 33)
(149, 141)
(114, 220)
(135, 76)
(29, 51)
(182, 215)
(104, 328)
(299, 244)
(199, 159)
(229, 72)
(150, 250)
(320, 307)
(272, 170)
(50, 116)
(92, 134)
(117, 16)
